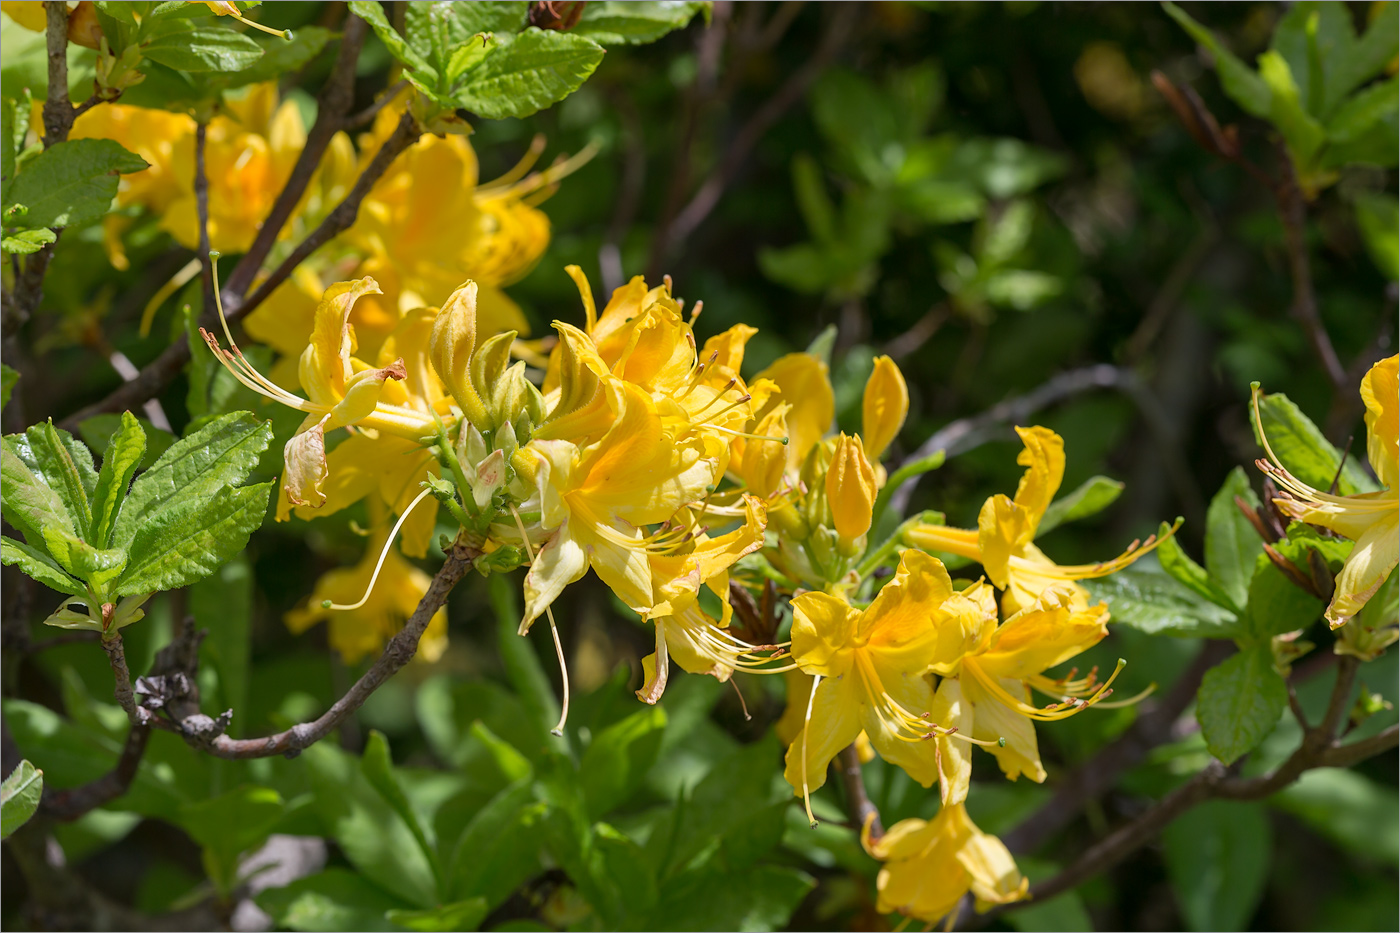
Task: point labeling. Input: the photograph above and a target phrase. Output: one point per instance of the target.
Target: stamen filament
(383, 555)
(553, 631)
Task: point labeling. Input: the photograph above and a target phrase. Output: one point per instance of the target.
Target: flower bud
(451, 348)
(884, 408)
(850, 488)
(762, 462)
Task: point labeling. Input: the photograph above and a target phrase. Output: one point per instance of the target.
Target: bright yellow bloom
(600, 498)
(930, 865)
(685, 633)
(361, 632)
(1370, 519)
(989, 671)
(1002, 543)
(83, 27)
(427, 226)
(803, 384)
(869, 668)
(884, 407)
(850, 488)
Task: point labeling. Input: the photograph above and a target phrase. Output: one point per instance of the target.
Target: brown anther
(109, 612)
(1291, 571)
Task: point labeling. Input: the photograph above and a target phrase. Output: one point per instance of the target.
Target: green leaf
(97, 432)
(72, 182)
(191, 539)
(1314, 38)
(499, 849)
(279, 56)
(1239, 702)
(1367, 59)
(442, 33)
(368, 831)
(449, 713)
(333, 900)
(1348, 808)
(1145, 598)
(222, 604)
(737, 811)
(1379, 219)
(1218, 855)
(528, 73)
(124, 452)
(1091, 497)
(199, 47)
(28, 241)
(633, 23)
(65, 465)
(1363, 111)
(230, 824)
(1301, 447)
(378, 768)
(1240, 82)
(761, 898)
(462, 915)
(39, 565)
(221, 453)
(812, 199)
(371, 12)
(19, 797)
(1276, 604)
(619, 758)
(1179, 565)
(1303, 133)
(8, 378)
(29, 503)
(98, 566)
(1232, 544)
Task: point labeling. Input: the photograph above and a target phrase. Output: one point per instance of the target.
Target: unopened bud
(850, 488)
(884, 407)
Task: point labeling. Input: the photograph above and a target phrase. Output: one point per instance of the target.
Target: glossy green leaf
(124, 452)
(222, 605)
(98, 566)
(460, 915)
(1301, 446)
(610, 22)
(200, 47)
(218, 455)
(24, 242)
(373, 13)
(65, 465)
(378, 768)
(761, 898)
(29, 502)
(1379, 220)
(528, 73)
(1147, 599)
(499, 849)
(1276, 604)
(39, 565)
(229, 825)
(1179, 565)
(1232, 544)
(1218, 856)
(193, 538)
(1364, 110)
(1089, 498)
(1367, 58)
(8, 378)
(72, 182)
(97, 433)
(1239, 702)
(19, 797)
(619, 757)
(333, 900)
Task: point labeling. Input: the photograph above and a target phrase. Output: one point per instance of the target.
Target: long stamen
(383, 555)
(177, 282)
(553, 630)
(806, 728)
(284, 33)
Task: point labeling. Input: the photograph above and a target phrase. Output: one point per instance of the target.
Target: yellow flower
(83, 27)
(869, 671)
(360, 632)
(1370, 519)
(760, 464)
(850, 489)
(1002, 542)
(930, 865)
(884, 407)
(803, 384)
(989, 671)
(601, 497)
(685, 633)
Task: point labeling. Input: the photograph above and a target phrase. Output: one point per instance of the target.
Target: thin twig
(201, 204)
(158, 374)
(1292, 211)
(707, 196)
(364, 117)
(290, 742)
(70, 803)
(332, 105)
(858, 804)
(126, 696)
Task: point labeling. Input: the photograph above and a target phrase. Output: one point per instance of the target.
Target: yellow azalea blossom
(601, 497)
(1370, 519)
(850, 488)
(1006, 528)
(988, 672)
(884, 407)
(83, 27)
(869, 671)
(685, 633)
(427, 225)
(342, 391)
(803, 384)
(930, 865)
(361, 632)
(386, 466)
